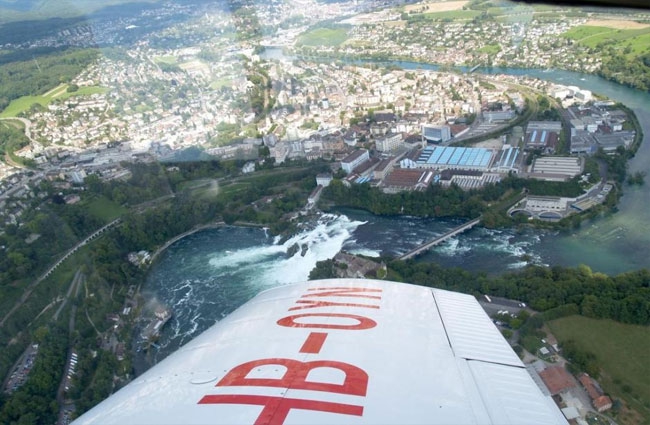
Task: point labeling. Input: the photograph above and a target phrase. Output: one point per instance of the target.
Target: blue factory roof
(455, 156)
(509, 158)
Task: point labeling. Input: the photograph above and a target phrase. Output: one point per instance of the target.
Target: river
(207, 275)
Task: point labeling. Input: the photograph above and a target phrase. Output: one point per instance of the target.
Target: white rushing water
(226, 267)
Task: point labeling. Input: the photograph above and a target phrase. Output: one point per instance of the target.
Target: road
(66, 409)
(75, 281)
(27, 123)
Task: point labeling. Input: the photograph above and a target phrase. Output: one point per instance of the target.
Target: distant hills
(27, 10)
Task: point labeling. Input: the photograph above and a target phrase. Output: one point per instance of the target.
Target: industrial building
(323, 179)
(582, 142)
(479, 159)
(435, 133)
(403, 179)
(466, 180)
(556, 168)
(492, 116)
(507, 160)
(543, 135)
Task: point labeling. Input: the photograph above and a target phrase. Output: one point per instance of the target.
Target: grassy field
(221, 82)
(440, 6)
(105, 209)
(584, 31)
(638, 40)
(454, 14)
(23, 104)
(622, 352)
(324, 37)
(490, 49)
(171, 60)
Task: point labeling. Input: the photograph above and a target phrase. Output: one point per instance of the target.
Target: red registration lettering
(276, 409)
(355, 382)
(363, 322)
(342, 291)
(315, 304)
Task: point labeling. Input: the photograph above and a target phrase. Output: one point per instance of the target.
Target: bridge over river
(440, 239)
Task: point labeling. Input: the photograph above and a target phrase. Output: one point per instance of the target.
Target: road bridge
(440, 239)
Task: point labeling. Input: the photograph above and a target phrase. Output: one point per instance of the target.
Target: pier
(440, 239)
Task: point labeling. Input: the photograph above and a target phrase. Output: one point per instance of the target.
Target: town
(267, 86)
(408, 120)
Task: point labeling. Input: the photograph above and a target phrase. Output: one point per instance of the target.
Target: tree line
(34, 72)
(555, 291)
(437, 201)
(35, 402)
(625, 297)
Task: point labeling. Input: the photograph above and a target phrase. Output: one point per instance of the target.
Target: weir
(453, 232)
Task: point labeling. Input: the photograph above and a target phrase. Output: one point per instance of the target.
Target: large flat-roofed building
(492, 116)
(467, 179)
(609, 142)
(439, 157)
(435, 133)
(565, 166)
(507, 160)
(555, 126)
(401, 179)
(583, 142)
(356, 158)
(543, 135)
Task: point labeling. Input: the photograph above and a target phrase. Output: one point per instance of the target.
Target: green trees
(11, 138)
(35, 402)
(581, 361)
(434, 202)
(20, 71)
(625, 298)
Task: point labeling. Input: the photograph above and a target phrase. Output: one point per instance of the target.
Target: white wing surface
(339, 351)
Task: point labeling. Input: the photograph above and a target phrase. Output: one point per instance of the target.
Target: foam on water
(452, 247)
(365, 252)
(209, 282)
(323, 242)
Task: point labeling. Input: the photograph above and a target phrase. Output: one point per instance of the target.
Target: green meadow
(22, 104)
(324, 37)
(622, 353)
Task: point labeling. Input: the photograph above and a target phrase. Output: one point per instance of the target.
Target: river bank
(182, 235)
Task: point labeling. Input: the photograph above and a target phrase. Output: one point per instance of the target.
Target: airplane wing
(339, 351)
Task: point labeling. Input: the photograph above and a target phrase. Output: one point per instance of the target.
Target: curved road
(28, 133)
(27, 123)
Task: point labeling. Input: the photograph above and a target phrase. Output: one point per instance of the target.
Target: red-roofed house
(557, 379)
(600, 401)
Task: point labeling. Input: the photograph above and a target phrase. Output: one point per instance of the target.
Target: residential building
(389, 143)
(355, 159)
